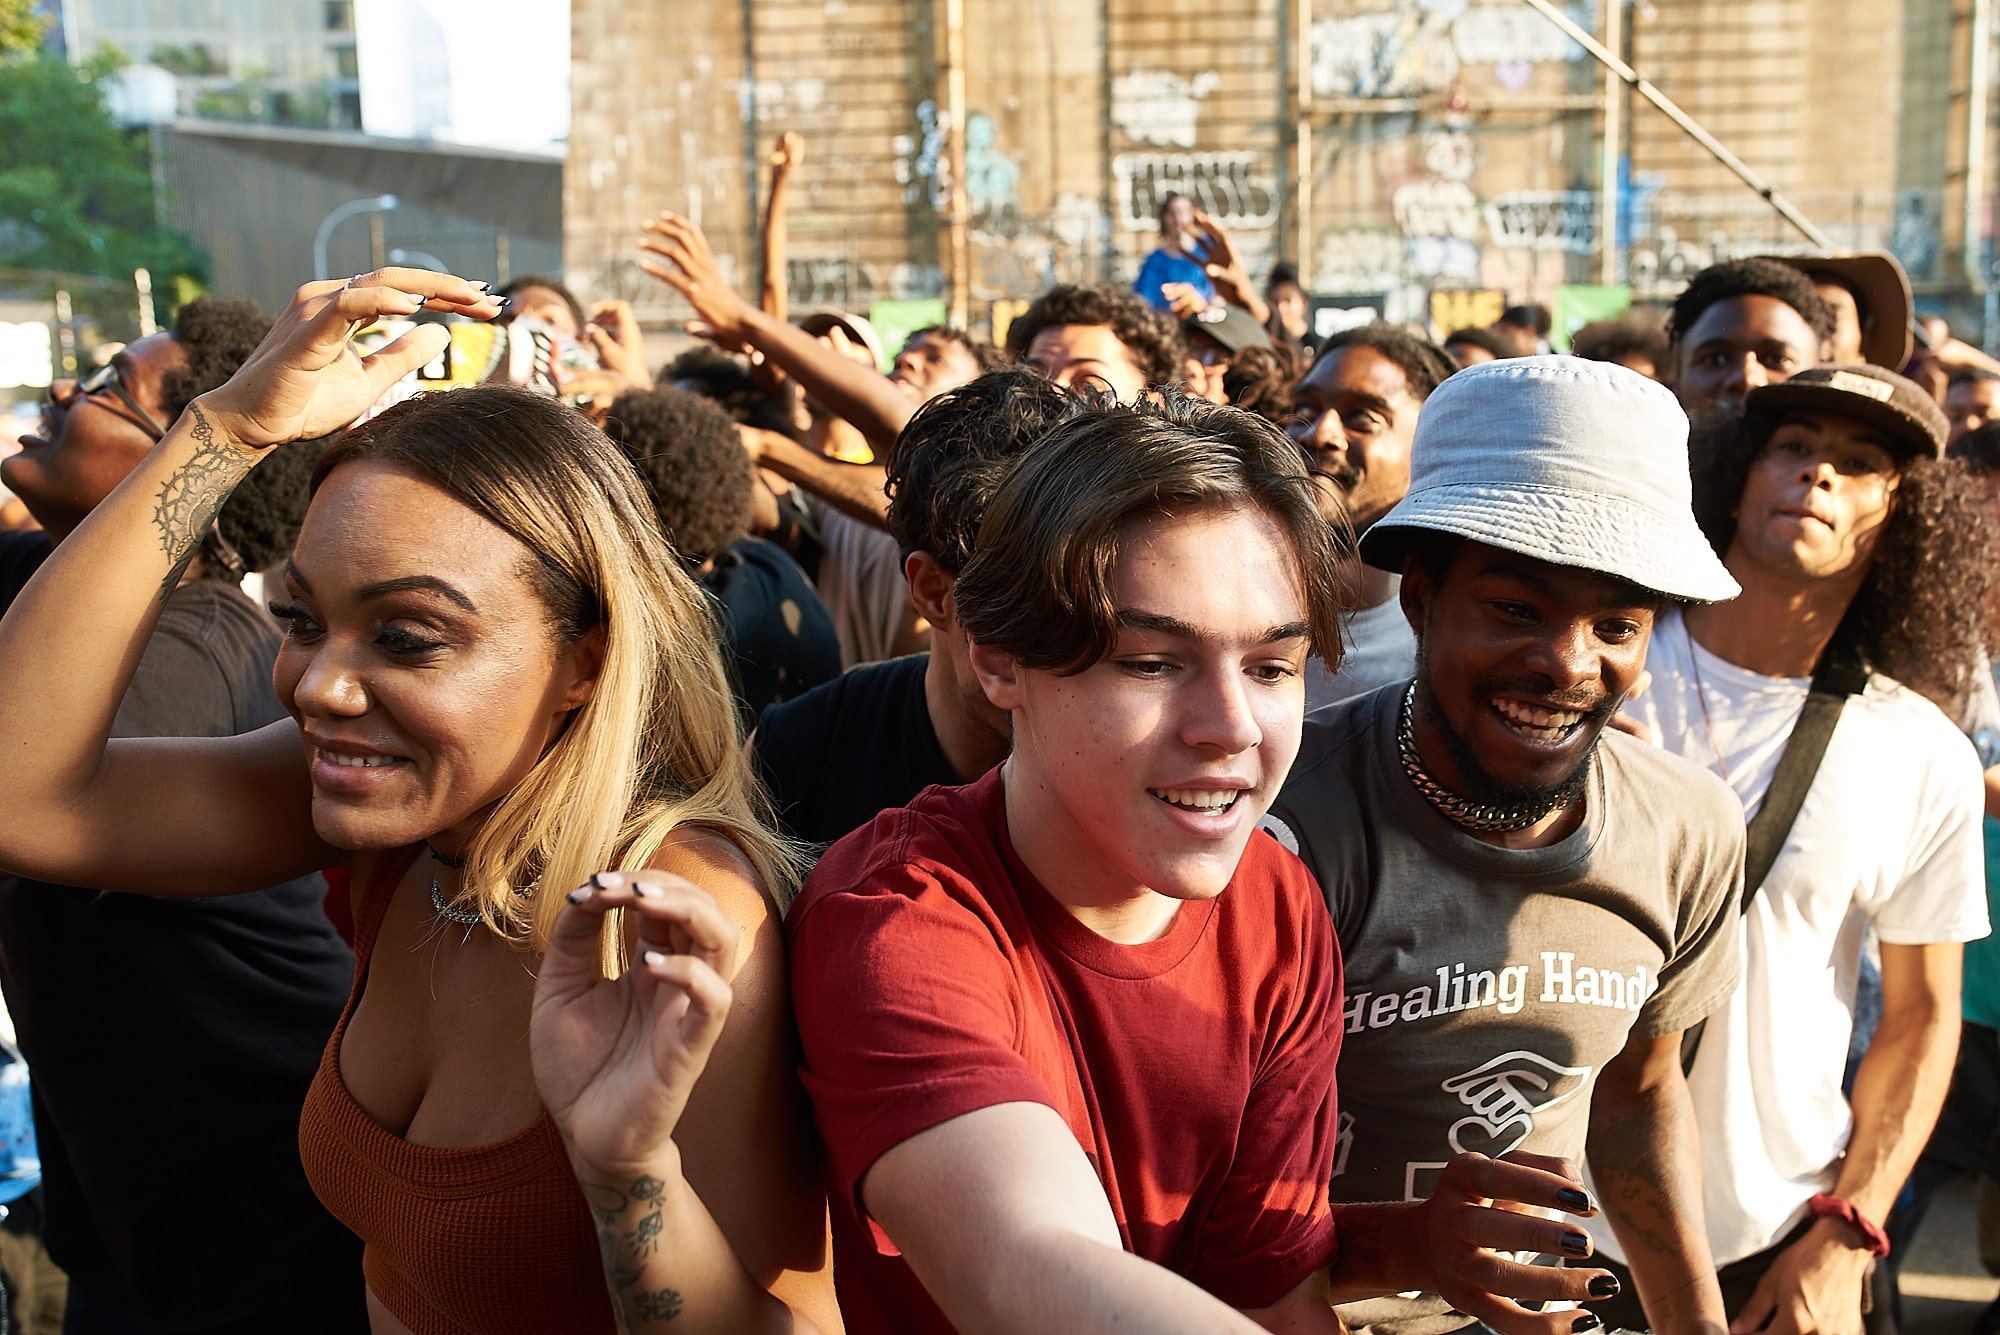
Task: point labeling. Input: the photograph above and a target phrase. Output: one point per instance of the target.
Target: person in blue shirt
(1180, 257)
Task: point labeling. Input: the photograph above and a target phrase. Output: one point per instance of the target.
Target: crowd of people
(1169, 820)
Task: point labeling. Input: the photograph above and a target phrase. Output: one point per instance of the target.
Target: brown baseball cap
(1899, 408)
(1881, 291)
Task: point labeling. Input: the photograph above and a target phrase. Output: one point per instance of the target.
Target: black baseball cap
(1900, 408)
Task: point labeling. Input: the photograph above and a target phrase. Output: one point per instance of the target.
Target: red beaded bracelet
(1839, 1207)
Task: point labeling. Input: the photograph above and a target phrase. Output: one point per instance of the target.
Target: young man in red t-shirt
(1070, 1031)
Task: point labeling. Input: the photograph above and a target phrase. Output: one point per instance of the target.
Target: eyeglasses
(107, 380)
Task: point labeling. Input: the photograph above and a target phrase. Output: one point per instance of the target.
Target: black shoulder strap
(1840, 674)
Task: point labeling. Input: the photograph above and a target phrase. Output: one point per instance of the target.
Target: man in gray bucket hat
(1530, 909)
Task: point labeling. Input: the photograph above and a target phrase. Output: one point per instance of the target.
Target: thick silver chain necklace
(1486, 817)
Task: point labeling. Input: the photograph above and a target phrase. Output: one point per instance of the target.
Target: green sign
(895, 321)
(1579, 304)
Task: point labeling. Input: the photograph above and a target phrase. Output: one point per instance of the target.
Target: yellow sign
(1473, 308)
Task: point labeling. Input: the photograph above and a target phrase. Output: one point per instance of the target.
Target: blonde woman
(500, 682)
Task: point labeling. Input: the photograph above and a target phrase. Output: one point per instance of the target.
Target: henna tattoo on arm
(625, 1248)
(189, 501)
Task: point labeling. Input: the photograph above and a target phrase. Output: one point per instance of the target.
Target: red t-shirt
(933, 976)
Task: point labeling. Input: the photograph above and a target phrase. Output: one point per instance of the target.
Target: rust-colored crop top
(492, 1240)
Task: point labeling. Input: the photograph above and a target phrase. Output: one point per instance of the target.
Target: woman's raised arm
(170, 815)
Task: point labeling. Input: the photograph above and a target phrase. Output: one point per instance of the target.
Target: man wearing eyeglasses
(94, 431)
(170, 1051)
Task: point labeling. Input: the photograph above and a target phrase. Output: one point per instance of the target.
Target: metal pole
(65, 331)
(502, 262)
(334, 219)
(1302, 149)
(142, 283)
(959, 212)
(157, 164)
(376, 258)
(1687, 123)
(1978, 84)
(1614, 134)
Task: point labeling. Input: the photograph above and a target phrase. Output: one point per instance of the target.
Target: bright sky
(491, 72)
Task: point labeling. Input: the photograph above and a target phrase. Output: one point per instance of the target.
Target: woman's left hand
(306, 379)
(616, 1058)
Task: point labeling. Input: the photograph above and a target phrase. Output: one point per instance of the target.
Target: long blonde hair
(659, 743)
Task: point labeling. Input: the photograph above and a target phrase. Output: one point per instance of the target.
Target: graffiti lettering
(1434, 207)
(1447, 257)
(1516, 35)
(1226, 186)
(1388, 53)
(1358, 259)
(921, 166)
(1564, 220)
(1418, 46)
(1159, 106)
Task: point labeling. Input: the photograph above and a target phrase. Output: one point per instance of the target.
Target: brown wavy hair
(1038, 586)
(1921, 616)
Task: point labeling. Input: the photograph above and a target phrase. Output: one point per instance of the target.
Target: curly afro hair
(726, 381)
(1615, 340)
(262, 516)
(218, 334)
(1482, 338)
(1921, 614)
(1261, 380)
(1980, 449)
(687, 451)
(951, 455)
(1755, 277)
(1152, 337)
(1425, 365)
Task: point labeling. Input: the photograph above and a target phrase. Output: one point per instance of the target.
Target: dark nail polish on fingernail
(503, 302)
(484, 287)
(1576, 1244)
(1585, 1322)
(1605, 1286)
(583, 892)
(1572, 1199)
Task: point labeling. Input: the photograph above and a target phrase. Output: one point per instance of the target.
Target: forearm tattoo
(1644, 1165)
(629, 1223)
(190, 500)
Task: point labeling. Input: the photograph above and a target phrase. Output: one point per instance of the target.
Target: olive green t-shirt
(1486, 987)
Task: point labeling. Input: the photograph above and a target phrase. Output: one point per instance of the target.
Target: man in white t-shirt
(1357, 415)
(1833, 508)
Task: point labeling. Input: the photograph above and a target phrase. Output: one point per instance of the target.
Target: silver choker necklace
(450, 912)
(1485, 817)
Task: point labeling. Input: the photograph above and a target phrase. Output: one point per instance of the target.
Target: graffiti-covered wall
(1453, 144)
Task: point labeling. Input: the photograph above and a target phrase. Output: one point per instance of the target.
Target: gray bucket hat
(1573, 462)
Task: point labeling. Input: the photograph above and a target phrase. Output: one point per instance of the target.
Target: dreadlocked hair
(1921, 615)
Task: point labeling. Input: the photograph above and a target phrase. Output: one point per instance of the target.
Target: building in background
(1421, 159)
(280, 62)
(272, 122)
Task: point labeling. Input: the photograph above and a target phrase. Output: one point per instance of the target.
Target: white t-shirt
(861, 581)
(1888, 836)
(1378, 647)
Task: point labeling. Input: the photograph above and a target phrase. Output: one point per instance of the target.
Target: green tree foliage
(76, 191)
(21, 27)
